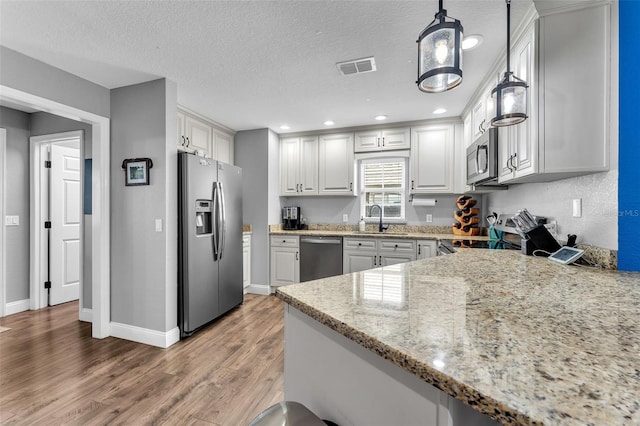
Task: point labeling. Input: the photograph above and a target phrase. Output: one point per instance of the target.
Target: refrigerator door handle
(223, 220)
(214, 237)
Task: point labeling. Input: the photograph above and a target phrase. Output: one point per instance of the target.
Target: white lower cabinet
(246, 261)
(427, 248)
(285, 260)
(360, 254)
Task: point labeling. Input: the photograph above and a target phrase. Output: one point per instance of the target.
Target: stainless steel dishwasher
(320, 257)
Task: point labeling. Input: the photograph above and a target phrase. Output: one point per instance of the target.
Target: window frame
(402, 190)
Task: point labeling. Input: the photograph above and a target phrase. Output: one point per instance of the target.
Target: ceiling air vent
(357, 66)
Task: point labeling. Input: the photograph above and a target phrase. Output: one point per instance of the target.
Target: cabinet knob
(359, 244)
(183, 141)
(396, 246)
(284, 241)
(382, 141)
(188, 142)
(296, 255)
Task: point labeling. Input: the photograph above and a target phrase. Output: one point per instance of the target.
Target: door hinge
(47, 284)
(47, 164)
(47, 224)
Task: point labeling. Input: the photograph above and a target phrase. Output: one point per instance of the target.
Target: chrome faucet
(381, 227)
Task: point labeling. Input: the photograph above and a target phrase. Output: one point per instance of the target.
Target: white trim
(17, 306)
(3, 244)
(86, 315)
(38, 201)
(145, 335)
(100, 248)
(263, 289)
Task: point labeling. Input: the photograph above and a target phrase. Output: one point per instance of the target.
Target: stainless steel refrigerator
(210, 240)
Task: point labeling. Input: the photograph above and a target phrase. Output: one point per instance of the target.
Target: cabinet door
(358, 261)
(198, 136)
(526, 152)
(506, 149)
(285, 265)
(246, 261)
(432, 159)
(336, 164)
(367, 141)
(223, 147)
(308, 165)
(478, 117)
(289, 158)
(396, 139)
(394, 259)
(181, 139)
(427, 249)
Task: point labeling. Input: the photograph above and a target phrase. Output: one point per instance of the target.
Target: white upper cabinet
(567, 132)
(432, 159)
(383, 140)
(336, 174)
(299, 166)
(223, 147)
(197, 135)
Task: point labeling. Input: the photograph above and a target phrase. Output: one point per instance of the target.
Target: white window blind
(383, 183)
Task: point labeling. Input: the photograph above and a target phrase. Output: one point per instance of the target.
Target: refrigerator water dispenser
(203, 217)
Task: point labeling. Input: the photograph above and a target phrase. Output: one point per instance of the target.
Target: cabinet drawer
(364, 244)
(285, 241)
(397, 246)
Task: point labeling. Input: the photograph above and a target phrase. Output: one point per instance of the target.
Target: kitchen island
(521, 340)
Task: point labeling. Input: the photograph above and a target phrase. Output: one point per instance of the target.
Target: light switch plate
(158, 225)
(429, 218)
(345, 218)
(577, 207)
(12, 221)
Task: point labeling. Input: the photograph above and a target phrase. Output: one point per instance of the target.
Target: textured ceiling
(257, 64)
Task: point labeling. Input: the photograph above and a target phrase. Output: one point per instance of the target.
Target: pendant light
(440, 54)
(510, 95)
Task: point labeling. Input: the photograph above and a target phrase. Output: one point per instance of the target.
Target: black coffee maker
(291, 218)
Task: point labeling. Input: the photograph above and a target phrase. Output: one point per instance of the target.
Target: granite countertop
(372, 234)
(521, 339)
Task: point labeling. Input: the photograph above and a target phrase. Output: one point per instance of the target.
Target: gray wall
(32, 76)
(17, 203)
(43, 123)
(598, 225)
(143, 292)
(254, 153)
(331, 209)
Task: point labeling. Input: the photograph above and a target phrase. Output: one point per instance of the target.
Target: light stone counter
(521, 339)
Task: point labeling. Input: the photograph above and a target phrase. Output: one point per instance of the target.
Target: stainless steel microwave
(482, 159)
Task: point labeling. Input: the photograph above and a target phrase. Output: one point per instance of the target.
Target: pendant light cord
(508, 36)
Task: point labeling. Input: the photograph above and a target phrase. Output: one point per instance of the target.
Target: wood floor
(53, 372)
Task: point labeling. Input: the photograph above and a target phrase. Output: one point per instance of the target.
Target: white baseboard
(144, 335)
(86, 315)
(17, 306)
(263, 289)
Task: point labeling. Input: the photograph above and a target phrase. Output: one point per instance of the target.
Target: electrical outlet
(577, 207)
(429, 218)
(345, 218)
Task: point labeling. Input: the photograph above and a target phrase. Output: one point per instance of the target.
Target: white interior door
(64, 254)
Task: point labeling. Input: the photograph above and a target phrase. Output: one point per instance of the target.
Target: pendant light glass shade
(440, 54)
(510, 100)
(510, 95)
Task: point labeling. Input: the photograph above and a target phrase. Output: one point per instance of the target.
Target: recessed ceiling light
(471, 41)
(381, 117)
(329, 123)
(439, 111)
(284, 127)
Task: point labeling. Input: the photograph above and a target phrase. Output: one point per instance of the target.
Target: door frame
(100, 205)
(3, 244)
(38, 294)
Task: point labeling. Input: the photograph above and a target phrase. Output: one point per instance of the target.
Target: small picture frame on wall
(136, 171)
